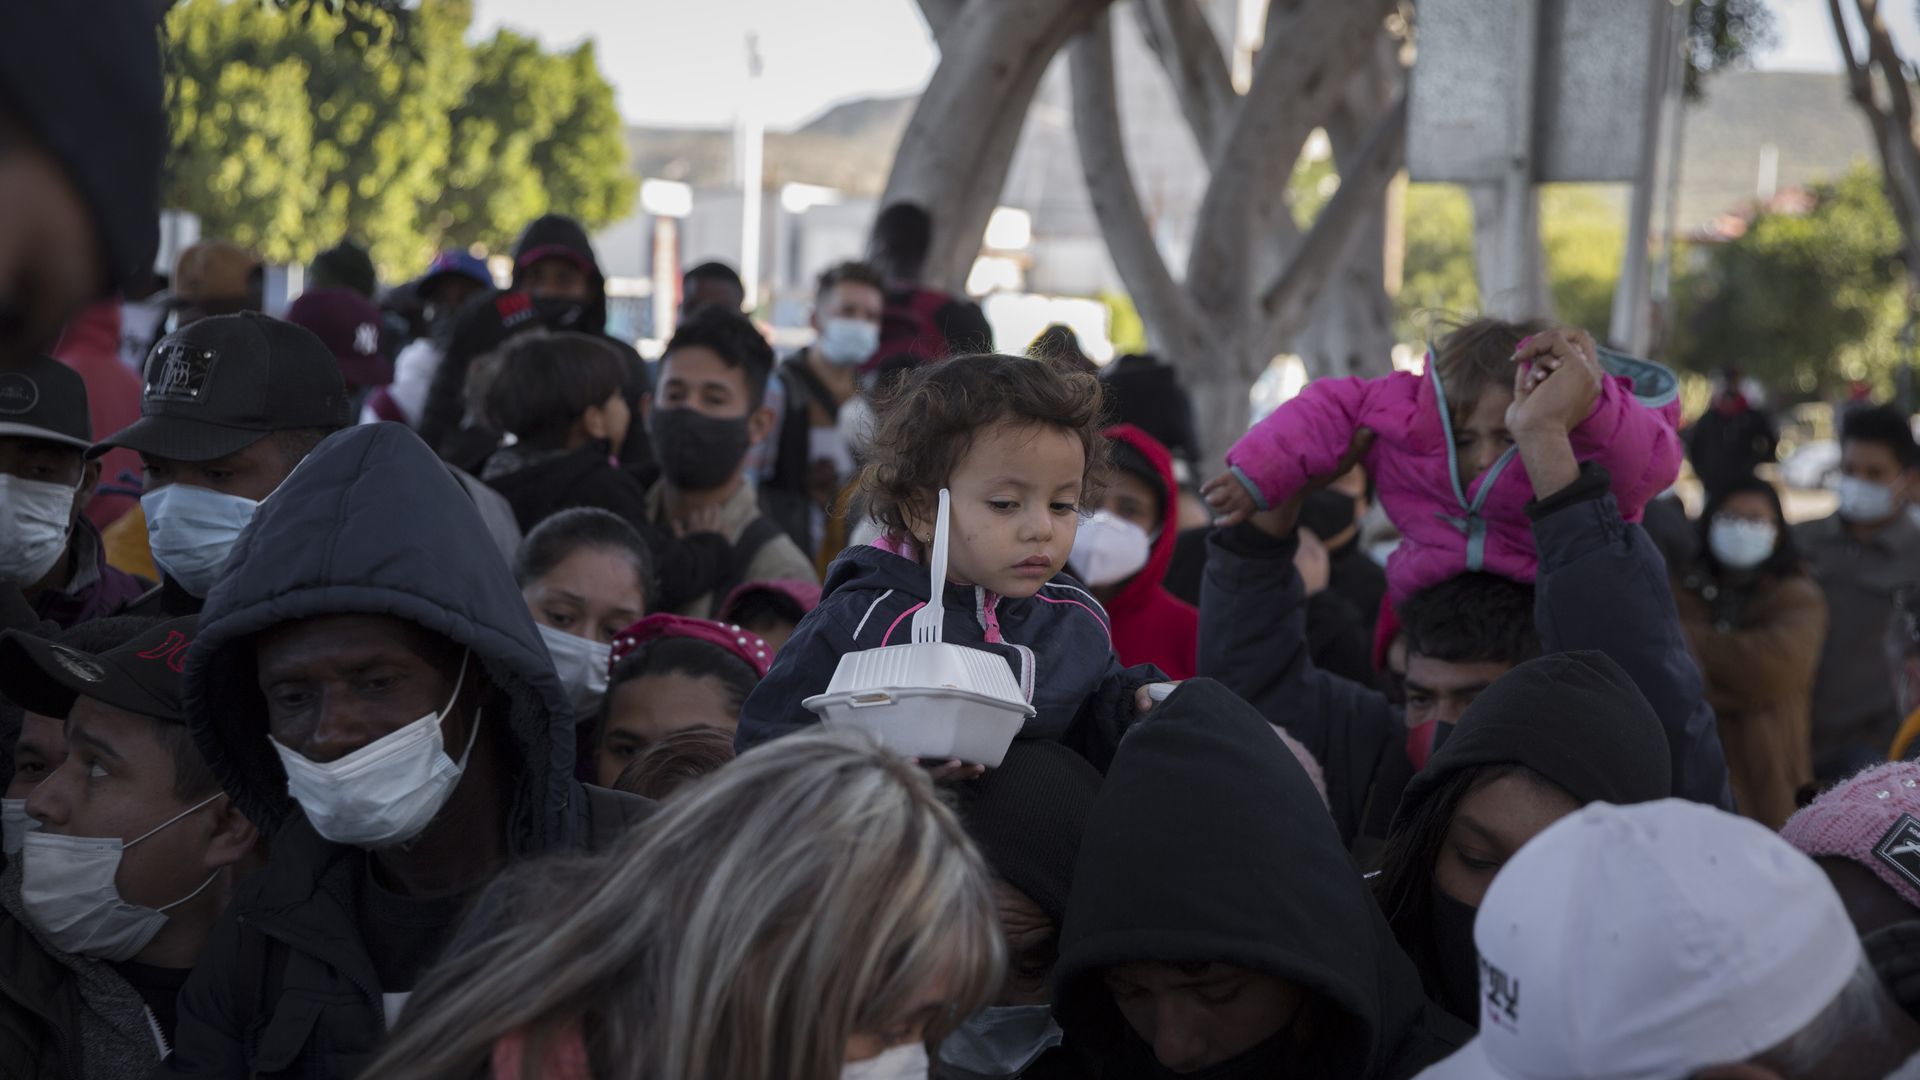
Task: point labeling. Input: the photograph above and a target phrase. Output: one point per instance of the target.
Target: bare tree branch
(1899, 158)
(940, 16)
(1181, 39)
(954, 155)
(1300, 72)
(1881, 53)
(1165, 308)
(1286, 302)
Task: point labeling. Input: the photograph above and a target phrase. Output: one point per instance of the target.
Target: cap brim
(179, 439)
(43, 677)
(1467, 1063)
(28, 431)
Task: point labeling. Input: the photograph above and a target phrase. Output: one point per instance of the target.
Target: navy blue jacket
(1602, 585)
(1058, 643)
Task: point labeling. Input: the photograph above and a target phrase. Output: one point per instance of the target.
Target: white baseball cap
(1644, 942)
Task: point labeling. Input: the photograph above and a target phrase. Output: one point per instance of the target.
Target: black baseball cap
(45, 399)
(219, 385)
(143, 676)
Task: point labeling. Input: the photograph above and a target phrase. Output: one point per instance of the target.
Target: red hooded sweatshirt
(1150, 625)
(91, 346)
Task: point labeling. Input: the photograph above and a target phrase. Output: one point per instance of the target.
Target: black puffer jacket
(370, 523)
(1208, 844)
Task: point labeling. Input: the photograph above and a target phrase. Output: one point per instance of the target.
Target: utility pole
(752, 137)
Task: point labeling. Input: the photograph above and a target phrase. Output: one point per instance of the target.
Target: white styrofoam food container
(937, 701)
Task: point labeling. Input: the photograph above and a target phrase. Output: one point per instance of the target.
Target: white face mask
(67, 890)
(1740, 544)
(191, 530)
(1864, 500)
(999, 1041)
(1108, 550)
(14, 825)
(35, 517)
(846, 342)
(581, 665)
(908, 1061)
(387, 791)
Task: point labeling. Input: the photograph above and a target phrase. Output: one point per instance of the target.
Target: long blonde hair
(801, 895)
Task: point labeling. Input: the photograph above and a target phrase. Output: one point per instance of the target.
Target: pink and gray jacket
(1058, 644)
(1453, 524)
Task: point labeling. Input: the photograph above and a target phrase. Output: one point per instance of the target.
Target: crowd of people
(417, 683)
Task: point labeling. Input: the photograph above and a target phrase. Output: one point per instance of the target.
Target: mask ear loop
(474, 734)
(189, 810)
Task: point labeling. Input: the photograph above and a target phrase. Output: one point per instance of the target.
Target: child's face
(642, 711)
(1483, 436)
(1016, 506)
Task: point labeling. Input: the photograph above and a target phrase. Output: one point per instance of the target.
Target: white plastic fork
(927, 621)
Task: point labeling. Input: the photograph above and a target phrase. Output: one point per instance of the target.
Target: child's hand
(1229, 499)
(1145, 698)
(1281, 519)
(1556, 380)
(1313, 562)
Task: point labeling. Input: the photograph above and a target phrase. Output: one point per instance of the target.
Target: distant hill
(1808, 117)
(848, 147)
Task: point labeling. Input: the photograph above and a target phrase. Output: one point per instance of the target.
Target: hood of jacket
(1207, 843)
(372, 523)
(1142, 587)
(557, 234)
(1575, 718)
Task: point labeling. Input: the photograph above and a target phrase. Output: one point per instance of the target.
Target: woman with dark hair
(1756, 622)
(1543, 740)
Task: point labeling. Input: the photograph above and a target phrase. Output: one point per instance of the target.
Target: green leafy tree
(1582, 228)
(1803, 301)
(298, 122)
(1722, 34)
(538, 132)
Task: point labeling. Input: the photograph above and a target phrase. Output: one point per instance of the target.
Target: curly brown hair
(927, 419)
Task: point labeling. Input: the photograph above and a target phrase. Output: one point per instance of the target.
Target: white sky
(683, 62)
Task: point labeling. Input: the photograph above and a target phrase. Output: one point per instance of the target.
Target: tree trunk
(957, 148)
(1535, 299)
(1350, 330)
(1172, 323)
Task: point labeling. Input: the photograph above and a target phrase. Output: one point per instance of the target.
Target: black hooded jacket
(1208, 844)
(1602, 586)
(1577, 720)
(560, 231)
(566, 234)
(371, 522)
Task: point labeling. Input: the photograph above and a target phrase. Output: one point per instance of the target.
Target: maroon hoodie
(1151, 625)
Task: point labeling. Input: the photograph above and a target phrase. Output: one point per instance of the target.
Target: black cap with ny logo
(219, 385)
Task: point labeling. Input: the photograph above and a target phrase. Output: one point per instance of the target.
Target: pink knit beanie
(1872, 818)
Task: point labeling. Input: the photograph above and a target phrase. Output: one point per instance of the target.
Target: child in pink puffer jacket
(1442, 460)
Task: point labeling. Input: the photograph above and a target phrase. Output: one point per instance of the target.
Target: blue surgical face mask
(1864, 500)
(999, 1041)
(191, 530)
(847, 342)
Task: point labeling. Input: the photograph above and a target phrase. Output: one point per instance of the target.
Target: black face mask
(1451, 924)
(697, 452)
(1327, 512)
